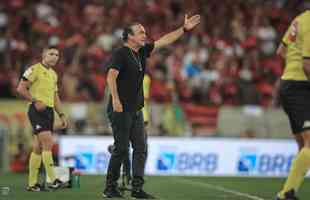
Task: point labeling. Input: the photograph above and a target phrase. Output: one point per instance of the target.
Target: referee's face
(139, 35)
(50, 57)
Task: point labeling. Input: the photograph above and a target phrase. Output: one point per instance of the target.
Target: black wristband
(61, 114)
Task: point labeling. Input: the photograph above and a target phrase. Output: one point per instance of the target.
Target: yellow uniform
(43, 88)
(43, 83)
(146, 92)
(294, 96)
(297, 41)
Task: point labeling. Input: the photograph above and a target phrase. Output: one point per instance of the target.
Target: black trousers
(127, 127)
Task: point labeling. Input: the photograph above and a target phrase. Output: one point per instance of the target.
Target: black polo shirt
(131, 67)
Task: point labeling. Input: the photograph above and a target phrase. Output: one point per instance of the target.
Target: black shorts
(41, 120)
(295, 100)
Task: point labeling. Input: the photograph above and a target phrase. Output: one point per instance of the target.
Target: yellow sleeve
(31, 74)
(305, 38)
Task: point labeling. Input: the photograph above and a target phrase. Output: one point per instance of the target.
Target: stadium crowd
(228, 60)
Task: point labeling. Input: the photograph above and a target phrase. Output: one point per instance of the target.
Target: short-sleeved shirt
(131, 67)
(43, 83)
(297, 41)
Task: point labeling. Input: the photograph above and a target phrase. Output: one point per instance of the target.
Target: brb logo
(247, 162)
(168, 161)
(265, 163)
(88, 161)
(84, 160)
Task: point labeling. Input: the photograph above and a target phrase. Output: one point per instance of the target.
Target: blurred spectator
(225, 60)
(228, 60)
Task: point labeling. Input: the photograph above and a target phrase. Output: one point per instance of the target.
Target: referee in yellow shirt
(39, 86)
(295, 98)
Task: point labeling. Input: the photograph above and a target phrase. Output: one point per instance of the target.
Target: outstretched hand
(190, 23)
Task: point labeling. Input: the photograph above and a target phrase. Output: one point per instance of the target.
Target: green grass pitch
(163, 187)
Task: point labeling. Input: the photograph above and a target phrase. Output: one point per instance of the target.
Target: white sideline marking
(220, 188)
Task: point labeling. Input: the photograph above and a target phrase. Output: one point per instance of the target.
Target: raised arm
(189, 23)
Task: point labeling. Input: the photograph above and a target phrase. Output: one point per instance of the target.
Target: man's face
(139, 36)
(50, 57)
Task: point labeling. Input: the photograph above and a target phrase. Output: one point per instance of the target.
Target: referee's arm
(57, 107)
(306, 66)
(306, 52)
(22, 89)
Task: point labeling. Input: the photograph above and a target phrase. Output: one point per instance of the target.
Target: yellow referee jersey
(297, 41)
(43, 83)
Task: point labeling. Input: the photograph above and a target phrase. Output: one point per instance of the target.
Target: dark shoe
(36, 188)
(111, 192)
(56, 184)
(140, 194)
(289, 195)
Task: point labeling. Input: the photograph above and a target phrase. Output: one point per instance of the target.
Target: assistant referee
(39, 86)
(295, 98)
(125, 81)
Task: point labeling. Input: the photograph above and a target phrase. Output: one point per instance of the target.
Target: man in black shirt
(125, 80)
